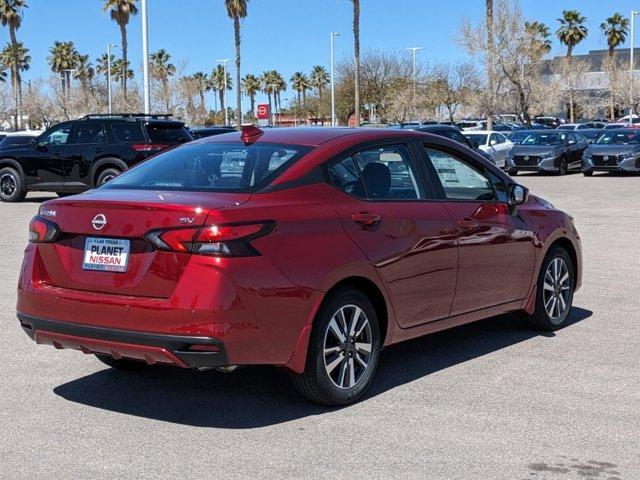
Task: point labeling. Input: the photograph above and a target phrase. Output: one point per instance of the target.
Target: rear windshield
(211, 167)
(477, 138)
(168, 134)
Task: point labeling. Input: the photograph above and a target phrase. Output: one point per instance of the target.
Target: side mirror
(492, 142)
(517, 194)
(33, 142)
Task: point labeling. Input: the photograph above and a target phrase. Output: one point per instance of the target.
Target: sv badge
(187, 220)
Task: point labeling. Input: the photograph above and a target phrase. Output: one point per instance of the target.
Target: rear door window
(128, 132)
(89, 133)
(388, 174)
(168, 134)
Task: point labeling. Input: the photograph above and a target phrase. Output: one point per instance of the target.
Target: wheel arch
(106, 162)
(10, 162)
(567, 245)
(367, 286)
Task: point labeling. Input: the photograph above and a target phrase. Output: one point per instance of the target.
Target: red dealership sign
(262, 111)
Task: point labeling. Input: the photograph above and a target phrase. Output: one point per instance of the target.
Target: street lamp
(414, 51)
(224, 74)
(274, 114)
(145, 58)
(333, 90)
(631, 67)
(109, 46)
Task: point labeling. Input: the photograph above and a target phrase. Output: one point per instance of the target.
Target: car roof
(313, 136)
(483, 132)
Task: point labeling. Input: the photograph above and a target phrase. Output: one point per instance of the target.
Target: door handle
(467, 225)
(365, 218)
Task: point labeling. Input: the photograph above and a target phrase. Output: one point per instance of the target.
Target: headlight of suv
(630, 155)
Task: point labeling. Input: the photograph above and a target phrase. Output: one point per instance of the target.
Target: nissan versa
(615, 151)
(310, 249)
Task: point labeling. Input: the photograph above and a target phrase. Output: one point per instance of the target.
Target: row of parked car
(553, 151)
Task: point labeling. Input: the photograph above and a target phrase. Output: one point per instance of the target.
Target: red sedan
(306, 248)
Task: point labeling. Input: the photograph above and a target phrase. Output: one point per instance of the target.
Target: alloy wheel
(7, 184)
(347, 346)
(107, 178)
(556, 289)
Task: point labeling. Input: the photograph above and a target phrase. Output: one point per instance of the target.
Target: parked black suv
(73, 156)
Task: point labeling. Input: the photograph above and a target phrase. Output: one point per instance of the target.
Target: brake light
(229, 240)
(42, 231)
(149, 147)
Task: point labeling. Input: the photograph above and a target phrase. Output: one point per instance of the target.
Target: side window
(128, 132)
(89, 133)
(501, 188)
(346, 176)
(56, 136)
(501, 138)
(387, 173)
(459, 180)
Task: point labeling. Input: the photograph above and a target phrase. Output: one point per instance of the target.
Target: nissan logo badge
(605, 158)
(99, 221)
(526, 157)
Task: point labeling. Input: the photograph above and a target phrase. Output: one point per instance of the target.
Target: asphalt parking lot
(488, 400)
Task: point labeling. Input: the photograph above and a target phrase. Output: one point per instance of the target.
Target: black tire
(106, 175)
(316, 383)
(11, 185)
(541, 319)
(562, 167)
(587, 174)
(513, 173)
(121, 364)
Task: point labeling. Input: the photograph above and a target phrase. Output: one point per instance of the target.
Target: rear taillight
(42, 231)
(228, 240)
(149, 147)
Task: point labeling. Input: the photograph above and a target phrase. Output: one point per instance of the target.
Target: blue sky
(287, 35)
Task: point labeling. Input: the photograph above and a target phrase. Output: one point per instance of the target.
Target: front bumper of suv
(631, 165)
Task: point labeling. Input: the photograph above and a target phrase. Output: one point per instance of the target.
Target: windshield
(544, 139)
(210, 167)
(619, 137)
(477, 138)
(518, 137)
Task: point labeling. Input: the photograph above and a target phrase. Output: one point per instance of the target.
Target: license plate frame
(106, 254)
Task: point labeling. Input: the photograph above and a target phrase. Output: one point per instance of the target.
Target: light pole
(274, 115)
(145, 58)
(414, 51)
(109, 45)
(224, 74)
(333, 90)
(631, 67)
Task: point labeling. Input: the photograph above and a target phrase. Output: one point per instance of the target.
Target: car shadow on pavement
(260, 396)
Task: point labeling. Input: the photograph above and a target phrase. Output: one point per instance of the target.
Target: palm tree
(11, 16)
(84, 72)
(539, 34)
(268, 87)
(202, 82)
(162, 69)
(356, 54)
(491, 56)
(279, 86)
(319, 79)
(237, 9)
(300, 84)
(615, 29)
(64, 58)
(102, 67)
(8, 56)
(572, 29)
(120, 70)
(217, 80)
(251, 86)
(121, 11)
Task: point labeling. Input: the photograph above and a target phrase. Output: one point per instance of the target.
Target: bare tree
(452, 86)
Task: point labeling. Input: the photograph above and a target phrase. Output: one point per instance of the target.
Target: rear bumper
(148, 347)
